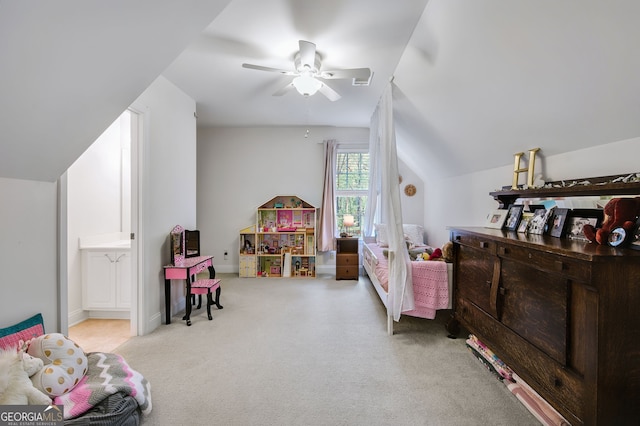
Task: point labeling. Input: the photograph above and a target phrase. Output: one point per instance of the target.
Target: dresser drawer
(474, 241)
(347, 259)
(547, 262)
(347, 272)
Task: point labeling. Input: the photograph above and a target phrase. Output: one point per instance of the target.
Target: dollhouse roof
(286, 201)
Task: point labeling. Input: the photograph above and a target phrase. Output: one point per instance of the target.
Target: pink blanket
(430, 283)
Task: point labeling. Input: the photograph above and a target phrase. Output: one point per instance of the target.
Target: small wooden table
(184, 269)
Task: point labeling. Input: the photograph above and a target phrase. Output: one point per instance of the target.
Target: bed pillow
(381, 235)
(24, 330)
(414, 233)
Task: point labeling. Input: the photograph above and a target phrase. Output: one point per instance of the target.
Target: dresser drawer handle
(557, 382)
(484, 244)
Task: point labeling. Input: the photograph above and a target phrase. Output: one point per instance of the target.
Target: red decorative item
(618, 213)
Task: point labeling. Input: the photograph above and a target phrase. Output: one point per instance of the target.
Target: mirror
(192, 243)
(177, 244)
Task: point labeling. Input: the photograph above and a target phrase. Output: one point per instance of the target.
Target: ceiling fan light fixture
(306, 85)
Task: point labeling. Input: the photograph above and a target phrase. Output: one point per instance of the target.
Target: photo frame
(634, 238)
(496, 218)
(513, 217)
(523, 227)
(575, 225)
(539, 220)
(558, 222)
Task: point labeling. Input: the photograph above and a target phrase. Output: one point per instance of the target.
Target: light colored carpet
(314, 352)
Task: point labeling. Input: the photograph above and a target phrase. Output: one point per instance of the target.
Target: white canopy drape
(384, 175)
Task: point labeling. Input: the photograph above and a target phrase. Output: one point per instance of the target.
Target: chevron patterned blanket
(107, 374)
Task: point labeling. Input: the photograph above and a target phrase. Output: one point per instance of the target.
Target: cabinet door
(534, 305)
(123, 279)
(98, 280)
(474, 277)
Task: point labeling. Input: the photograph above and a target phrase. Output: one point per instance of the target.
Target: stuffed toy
(15, 386)
(447, 251)
(65, 363)
(618, 213)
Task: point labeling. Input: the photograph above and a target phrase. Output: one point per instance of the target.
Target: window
(352, 186)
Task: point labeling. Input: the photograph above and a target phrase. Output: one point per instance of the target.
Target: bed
(111, 392)
(432, 280)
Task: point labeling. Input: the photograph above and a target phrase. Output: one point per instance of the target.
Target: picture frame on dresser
(576, 220)
(558, 222)
(539, 221)
(513, 217)
(634, 240)
(496, 218)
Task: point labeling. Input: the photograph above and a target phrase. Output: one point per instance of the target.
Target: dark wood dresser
(347, 263)
(563, 314)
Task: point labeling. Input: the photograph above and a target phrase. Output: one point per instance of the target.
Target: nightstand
(347, 259)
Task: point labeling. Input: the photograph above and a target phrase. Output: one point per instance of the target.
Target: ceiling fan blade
(358, 74)
(261, 68)
(307, 54)
(331, 94)
(286, 89)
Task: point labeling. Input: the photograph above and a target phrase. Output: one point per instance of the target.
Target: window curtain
(327, 226)
(400, 283)
(373, 197)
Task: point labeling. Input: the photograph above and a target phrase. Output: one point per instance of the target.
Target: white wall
(95, 201)
(168, 171)
(28, 247)
(465, 200)
(241, 168)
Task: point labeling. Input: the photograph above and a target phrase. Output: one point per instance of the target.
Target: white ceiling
(347, 34)
(475, 80)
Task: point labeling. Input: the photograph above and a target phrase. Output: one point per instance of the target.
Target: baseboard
(110, 314)
(77, 316)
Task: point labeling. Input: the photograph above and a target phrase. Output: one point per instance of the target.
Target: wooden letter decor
(530, 169)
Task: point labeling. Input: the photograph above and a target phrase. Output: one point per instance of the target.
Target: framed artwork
(539, 220)
(575, 225)
(513, 217)
(634, 239)
(523, 227)
(496, 218)
(558, 222)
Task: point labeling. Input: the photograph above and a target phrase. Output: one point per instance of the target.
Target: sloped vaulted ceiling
(482, 80)
(69, 68)
(476, 80)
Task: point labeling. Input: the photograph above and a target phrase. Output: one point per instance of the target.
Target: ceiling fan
(307, 74)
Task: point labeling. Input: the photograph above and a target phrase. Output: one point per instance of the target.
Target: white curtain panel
(400, 282)
(371, 212)
(327, 227)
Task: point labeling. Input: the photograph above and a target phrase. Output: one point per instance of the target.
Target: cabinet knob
(484, 244)
(557, 382)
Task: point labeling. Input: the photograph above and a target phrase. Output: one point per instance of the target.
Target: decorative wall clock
(410, 190)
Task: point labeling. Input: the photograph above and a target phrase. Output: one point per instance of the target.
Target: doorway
(101, 190)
